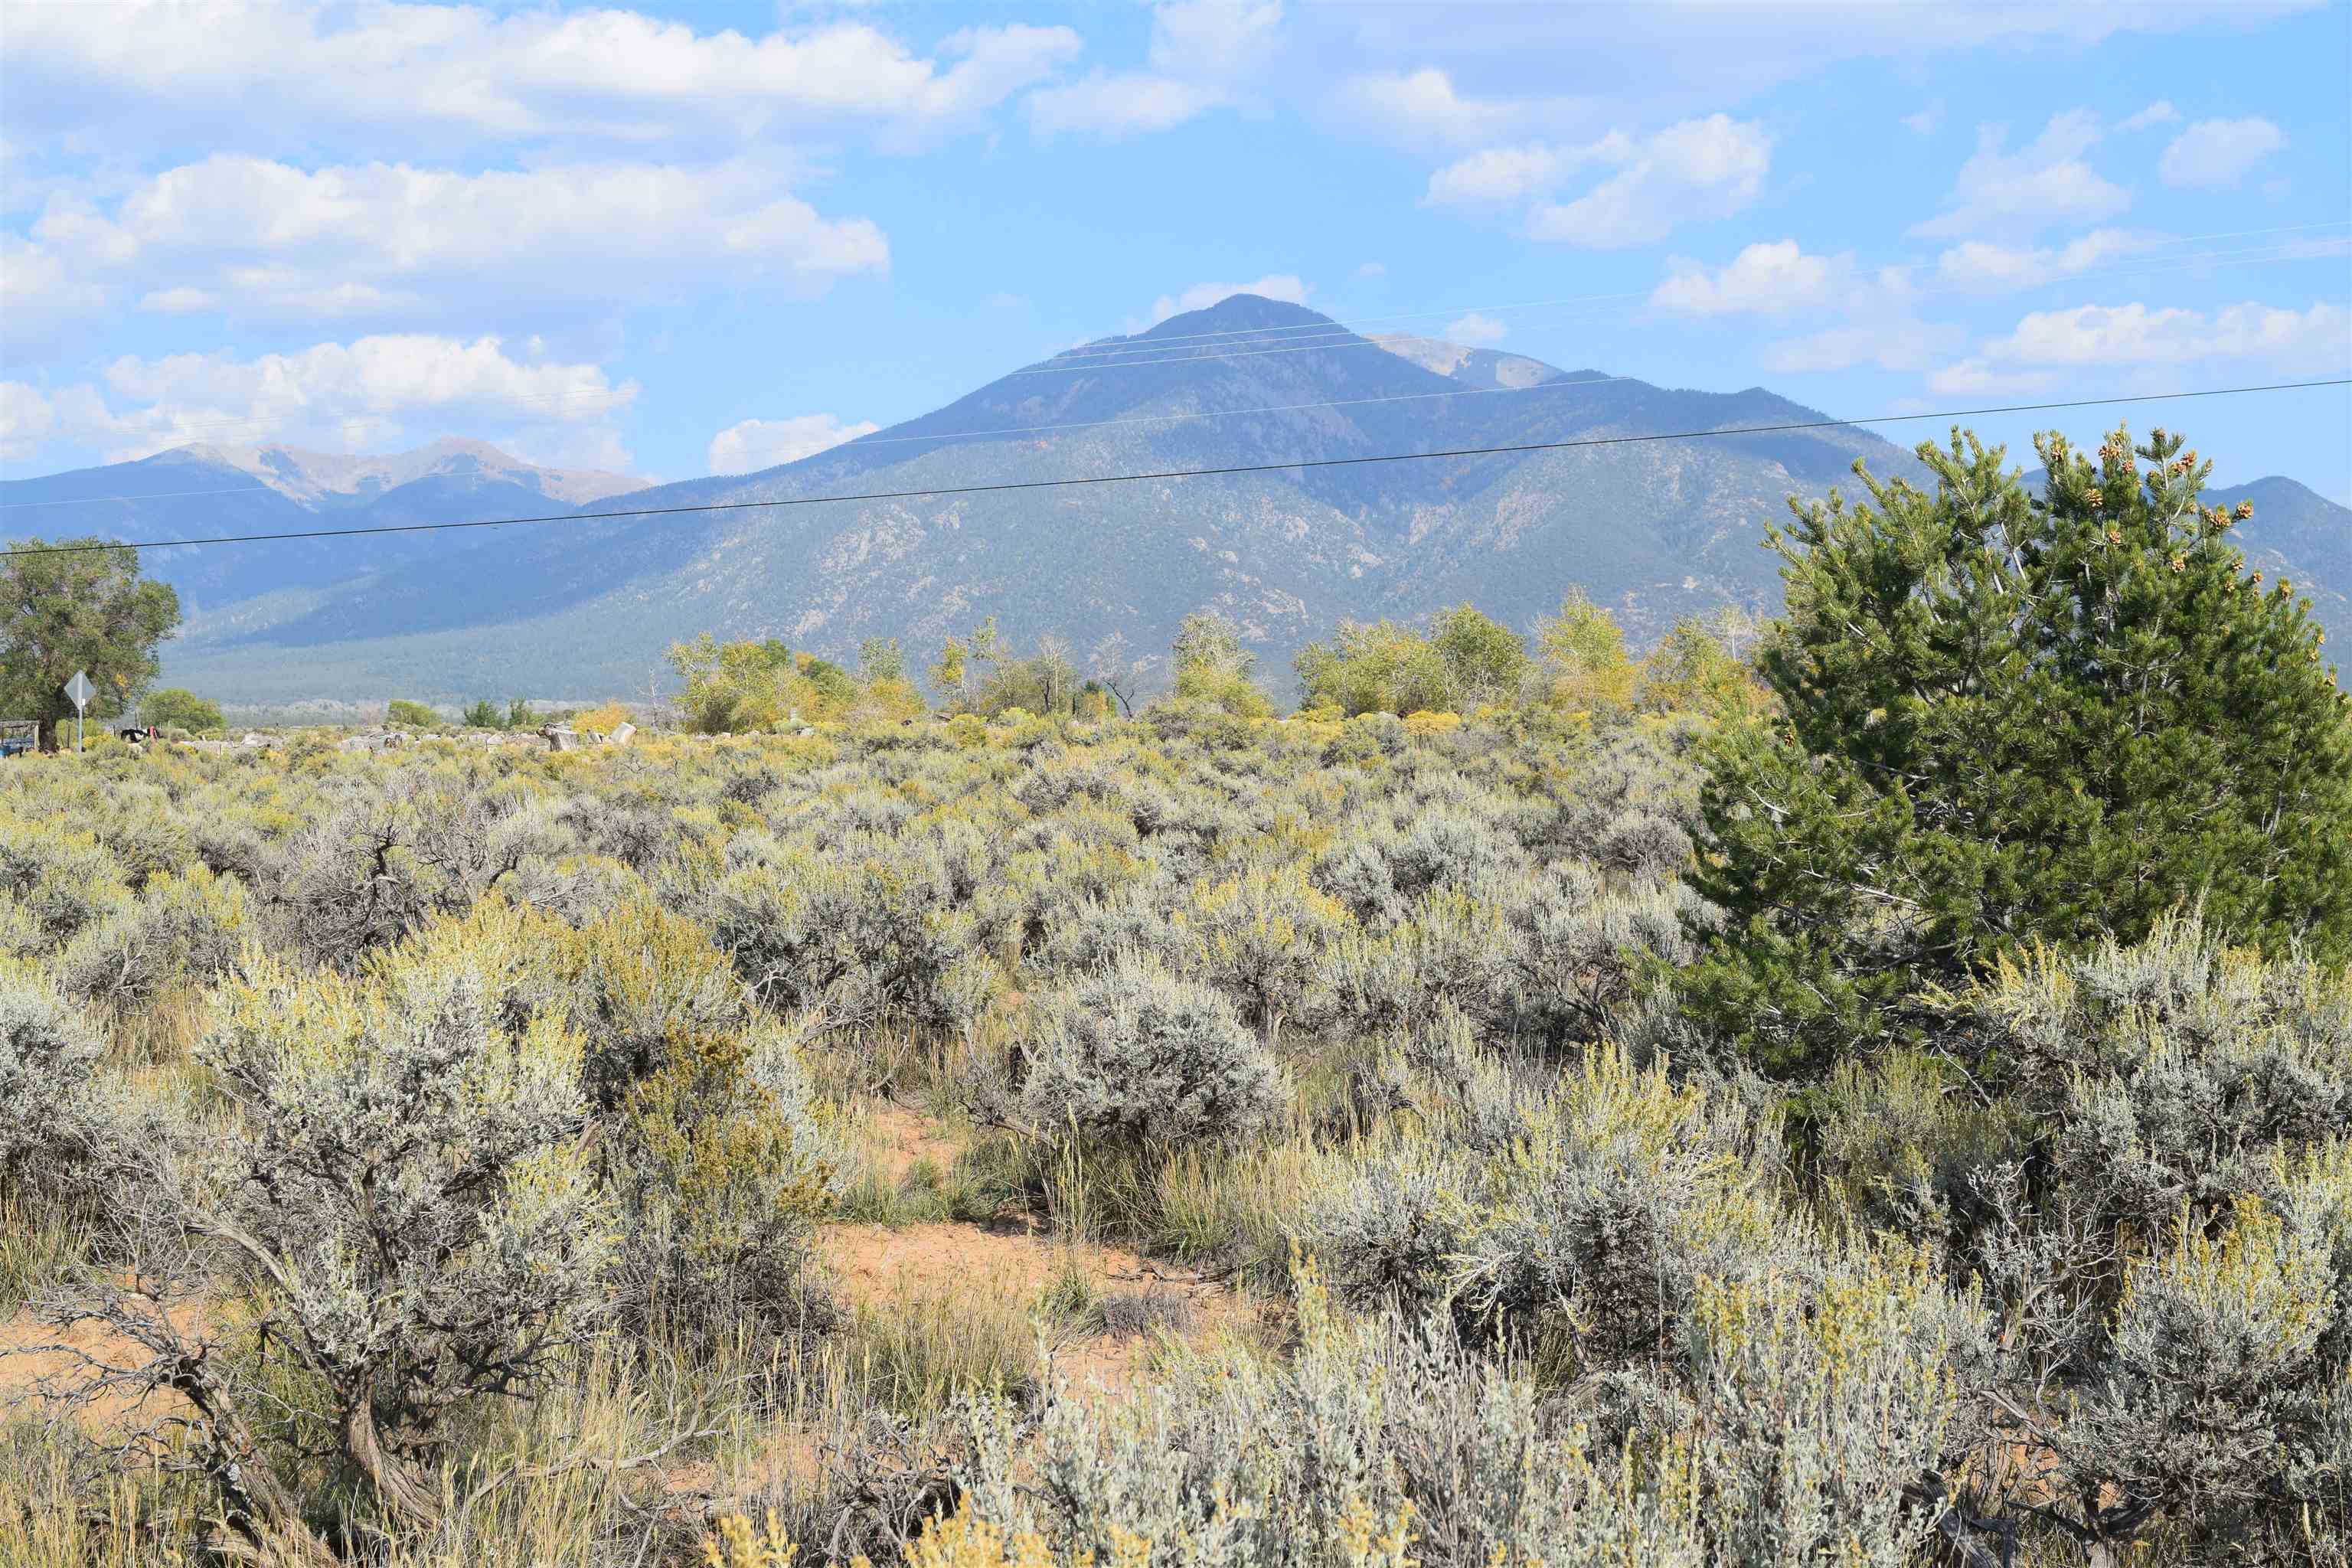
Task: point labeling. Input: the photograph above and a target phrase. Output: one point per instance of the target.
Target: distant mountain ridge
(1654, 529)
(314, 477)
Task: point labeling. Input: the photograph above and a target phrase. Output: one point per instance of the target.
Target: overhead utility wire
(1138, 339)
(1177, 473)
(1143, 349)
(1337, 337)
(1325, 329)
(1557, 383)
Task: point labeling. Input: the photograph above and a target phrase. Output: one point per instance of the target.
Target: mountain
(209, 490)
(2296, 535)
(1655, 528)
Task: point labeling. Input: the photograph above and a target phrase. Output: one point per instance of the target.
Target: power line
(1326, 329)
(1555, 384)
(1335, 338)
(1148, 339)
(1144, 349)
(1180, 473)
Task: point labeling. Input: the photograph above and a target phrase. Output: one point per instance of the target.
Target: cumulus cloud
(1215, 37)
(1699, 169)
(467, 70)
(2045, 344)
(1283, 286)
(1201, 49)
(1125, 104)
(268, 240)
(2219, 151)
(2160, 112)
(1981, 267)
(2319, 338)
(1778, 278)
(1901, 344)
(1474, 329)
(2044, 183)
(1420, 105)
(370, 394)
(27, 419)
(1500, 176)
(757, 444)
(1975, 378)
(1774, 278)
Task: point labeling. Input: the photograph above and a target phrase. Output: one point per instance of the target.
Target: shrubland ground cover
(1799, 1123)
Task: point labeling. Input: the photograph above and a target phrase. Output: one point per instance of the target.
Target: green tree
(1208, 639)
(879, 659)
(173, 709)
(1212, 667)
(415, 714)
(948, 675)
(484, 715)
(1487, 659)
(1695, 672)
(520, 715)
(1382, 668)
(2003, 722)
(80, 605)
(1584, 656)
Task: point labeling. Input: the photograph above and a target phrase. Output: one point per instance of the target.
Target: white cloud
(1778, 278)
(1699, 169)
(371, 393)
(1121, 105)
(1928, 121)
(1981, 267)
(378, 240)
(1774, 278)
(1666, 58)
(1200, 51)
(1901, 344)
(26, 419)
(535, 73)
(1975, 378)
(2044, 183)
(2219, 151)
(2288, 341)
(757, 444)
(1282, 285)
(1498, 177)
(2160, 112)
(1215, 37)
(1372, 269)
(1421, 105)
(1474, 328)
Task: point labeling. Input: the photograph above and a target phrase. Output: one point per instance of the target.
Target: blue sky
(675, 239)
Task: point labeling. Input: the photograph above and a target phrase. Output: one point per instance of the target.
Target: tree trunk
(414, 1502)
(265, 1518)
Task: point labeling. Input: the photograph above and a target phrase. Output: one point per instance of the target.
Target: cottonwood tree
(1113, 666)
(80, 604)
(2005, 720)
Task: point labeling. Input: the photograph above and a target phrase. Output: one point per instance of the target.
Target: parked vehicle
(18, 735)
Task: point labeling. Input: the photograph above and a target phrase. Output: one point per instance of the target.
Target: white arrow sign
(80, 690)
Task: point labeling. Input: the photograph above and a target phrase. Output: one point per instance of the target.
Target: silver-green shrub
(1135, 1056)
(52, 1119)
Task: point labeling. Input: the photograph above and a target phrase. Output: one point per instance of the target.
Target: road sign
(81, 691)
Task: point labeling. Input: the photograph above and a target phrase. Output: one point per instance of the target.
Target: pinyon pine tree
(2006, 720)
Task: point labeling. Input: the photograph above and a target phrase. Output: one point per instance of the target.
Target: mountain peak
(312, 477)
(1239, 313)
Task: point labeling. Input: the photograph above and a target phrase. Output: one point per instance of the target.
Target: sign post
(81, 691)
